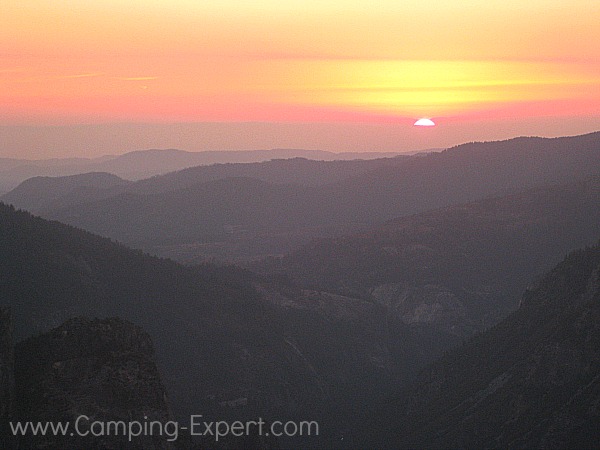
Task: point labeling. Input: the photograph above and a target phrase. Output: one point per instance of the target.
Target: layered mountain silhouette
(242, 213)
(140, 164)
(46, 194)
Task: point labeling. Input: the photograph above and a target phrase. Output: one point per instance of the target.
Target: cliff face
(103, 369)
(7, 384)
(532, 381)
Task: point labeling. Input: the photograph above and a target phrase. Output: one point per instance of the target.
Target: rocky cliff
(102, 369)
(532, 381)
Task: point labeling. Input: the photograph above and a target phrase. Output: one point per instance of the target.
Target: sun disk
(425, 123)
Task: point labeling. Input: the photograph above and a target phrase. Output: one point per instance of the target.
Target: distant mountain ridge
(141, 164)
(45, 194)
(40, 193)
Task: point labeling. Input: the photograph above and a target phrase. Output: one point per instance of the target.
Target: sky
(480, 70)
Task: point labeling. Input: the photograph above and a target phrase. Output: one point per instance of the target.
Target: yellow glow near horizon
(435, 87)
(299, 60)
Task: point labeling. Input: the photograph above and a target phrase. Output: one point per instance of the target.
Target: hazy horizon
(96, 140)
(336, 76)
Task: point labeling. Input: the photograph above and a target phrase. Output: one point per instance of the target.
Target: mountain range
(45, 194)
(140, 164)
(244, 212)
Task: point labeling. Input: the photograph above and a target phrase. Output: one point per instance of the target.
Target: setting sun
(424, 123)
(302, 62)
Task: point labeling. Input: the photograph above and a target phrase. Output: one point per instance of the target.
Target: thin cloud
(83, 75)
(136, 78)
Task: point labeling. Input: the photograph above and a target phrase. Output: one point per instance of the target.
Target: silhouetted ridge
(140, 164)
(193, 218)
(49, 193)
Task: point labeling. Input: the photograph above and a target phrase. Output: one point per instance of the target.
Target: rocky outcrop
(7, 385)
(101, 369)
(429, 304)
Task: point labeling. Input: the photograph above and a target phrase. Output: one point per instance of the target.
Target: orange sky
(300, 61)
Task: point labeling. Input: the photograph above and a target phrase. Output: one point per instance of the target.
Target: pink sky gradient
(339, 75)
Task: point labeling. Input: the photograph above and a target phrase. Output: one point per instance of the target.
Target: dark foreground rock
(101, 369)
